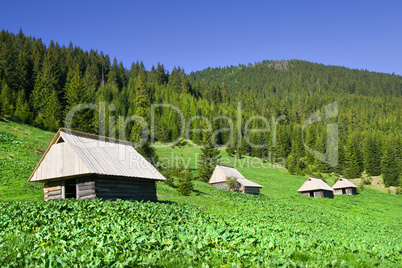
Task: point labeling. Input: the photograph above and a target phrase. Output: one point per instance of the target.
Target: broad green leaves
(69, 233)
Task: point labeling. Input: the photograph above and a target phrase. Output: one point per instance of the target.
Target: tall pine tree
(372, 157)
(389, 164)
(77, 93)
(142, 109)
(209, 158)
(353, 161)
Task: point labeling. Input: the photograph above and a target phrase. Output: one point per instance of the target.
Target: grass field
(209, 228)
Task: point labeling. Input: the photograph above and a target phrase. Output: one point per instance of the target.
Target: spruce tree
(185, 183)
(310, 140)
(36, 98)
(185, 86)
(372, 157)
(389, 164)
(291, 164)
(341, 158)
(51, 69)
(52, 113)
(161, 76)
(284, 145)
(321, 147)
(22, 110)
(142, 106)
(174, 80)
(77, 93)
(225, 94)
(352, 159)
(209, 158)
(7, 99)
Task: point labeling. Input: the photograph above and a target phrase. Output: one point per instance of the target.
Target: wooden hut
(344, 186)
(315, 187)
(222, 173)
(81, 165)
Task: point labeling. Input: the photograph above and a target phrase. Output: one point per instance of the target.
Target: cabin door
(70, 188)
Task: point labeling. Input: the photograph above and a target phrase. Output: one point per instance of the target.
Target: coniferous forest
(41, 83)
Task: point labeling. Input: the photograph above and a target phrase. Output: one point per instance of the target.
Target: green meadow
(209, 228)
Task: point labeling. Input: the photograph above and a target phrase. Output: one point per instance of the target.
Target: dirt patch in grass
(3, 119)
(38, 152)
(24, 131)
(377, 183)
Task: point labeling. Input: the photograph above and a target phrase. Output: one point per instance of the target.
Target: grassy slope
(341, 225)
(280, 187)
(18, 158)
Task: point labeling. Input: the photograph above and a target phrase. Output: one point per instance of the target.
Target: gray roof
(105, 156)
(222, 172)
(343, 183)
(313, 184)
(248, 183)
(231, 172)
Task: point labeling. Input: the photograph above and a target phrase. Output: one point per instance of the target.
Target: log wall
(221, 185)
(319, 194)
(338, 192)
(112, 188)
(85, 188)
(350, 191)
(53, 190)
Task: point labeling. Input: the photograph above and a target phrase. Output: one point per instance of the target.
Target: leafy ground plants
(71, 233)
(208, 228)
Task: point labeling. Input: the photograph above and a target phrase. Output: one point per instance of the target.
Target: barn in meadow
(222, 173)
(81, 165)
(344, 186)
(315, 187)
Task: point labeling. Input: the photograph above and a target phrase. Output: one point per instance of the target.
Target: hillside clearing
(209, 228)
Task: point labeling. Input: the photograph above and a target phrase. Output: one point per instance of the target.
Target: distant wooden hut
(81, 165)
(315, 187)
(344, 186)
(222, 173)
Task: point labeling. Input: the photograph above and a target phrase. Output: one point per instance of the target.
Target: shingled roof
(314, 184)
(74, 153)
(343, 183)
(222, 172)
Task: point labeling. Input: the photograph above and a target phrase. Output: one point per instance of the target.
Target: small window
(60, 140)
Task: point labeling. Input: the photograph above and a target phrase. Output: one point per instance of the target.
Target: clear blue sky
(200, 34)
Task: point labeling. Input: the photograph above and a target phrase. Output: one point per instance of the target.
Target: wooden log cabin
(81, 165)
(344, 186)
(222, 173)
(315, 187)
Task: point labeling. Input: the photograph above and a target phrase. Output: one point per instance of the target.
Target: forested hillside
(40, 84)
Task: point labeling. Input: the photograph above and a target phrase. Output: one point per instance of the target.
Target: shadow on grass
(167, 202)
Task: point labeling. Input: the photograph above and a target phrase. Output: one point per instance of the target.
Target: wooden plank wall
(221, 185)
(112, 188)
(85, 188)
(338, 192)
(60, 161)
(251, 190)
(350, 191)
(53, 190)
(318, 194)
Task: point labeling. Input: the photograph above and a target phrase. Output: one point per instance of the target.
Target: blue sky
(200, 34)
